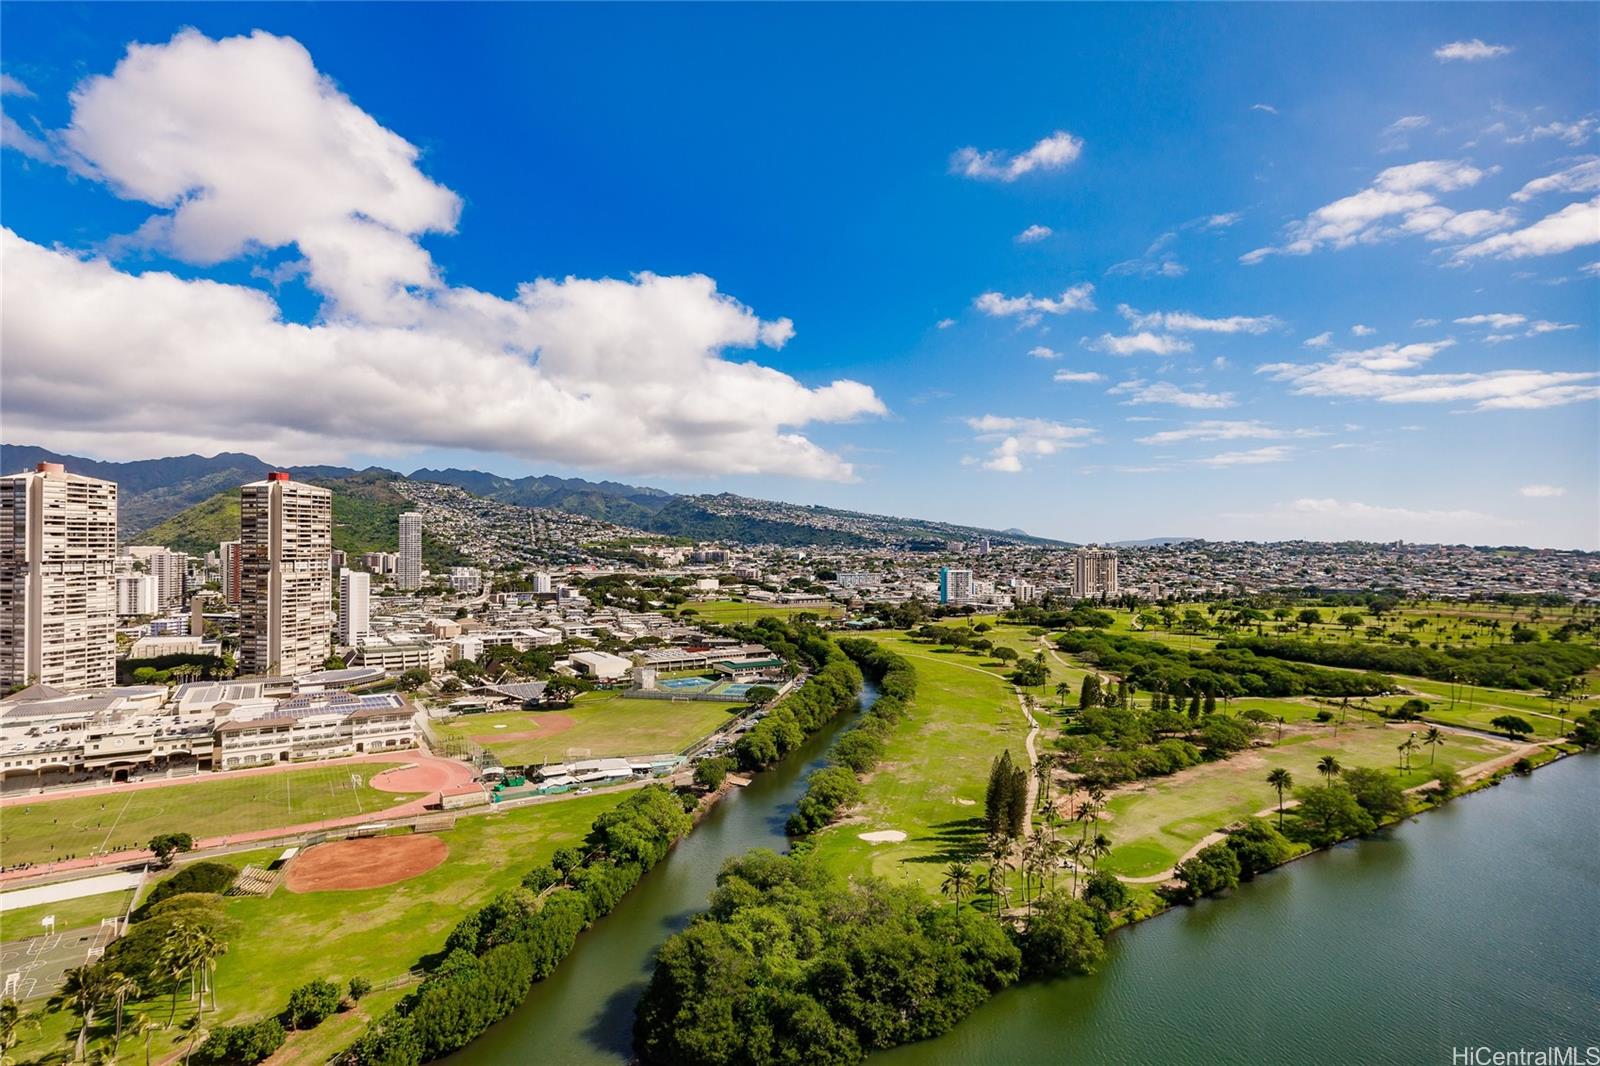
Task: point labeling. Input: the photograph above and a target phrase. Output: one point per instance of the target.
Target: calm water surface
(1477, 924)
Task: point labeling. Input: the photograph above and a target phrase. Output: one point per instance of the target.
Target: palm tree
(12, 1022)
(1281, 780)
(1432, 739)
(1076, 850)
(121, 988)
(82, 992)
(1063, 690)
(1043, 770)
(1405, 748)
(1098, 848)
(1097, 796)
(141, 1024)
(957, 879)
(1327, 766)
(208, 949)
(176, 962)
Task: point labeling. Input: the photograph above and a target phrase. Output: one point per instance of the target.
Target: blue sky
(1293, 254)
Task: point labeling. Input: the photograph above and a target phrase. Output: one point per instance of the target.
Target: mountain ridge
(155, 492)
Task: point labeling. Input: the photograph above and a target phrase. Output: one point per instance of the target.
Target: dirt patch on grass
(368, 862)
(548, 726)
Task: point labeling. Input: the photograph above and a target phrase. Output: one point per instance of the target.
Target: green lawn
(729, 611)
(288, 939)
(931, 783)
(604, 722)
(1155, 822)
(70, 914)
(211, 805)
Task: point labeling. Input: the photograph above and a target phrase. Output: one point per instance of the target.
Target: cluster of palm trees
(1040, 856)
(1433, 738)
(190, 951)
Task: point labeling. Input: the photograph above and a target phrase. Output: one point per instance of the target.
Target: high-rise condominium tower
(171, 572)
(1095, 573)
(58, 584)
(285, 586)
(228, 552)
(408, 573)
(355, 587)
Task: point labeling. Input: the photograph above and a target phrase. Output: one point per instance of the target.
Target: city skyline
(1200, 275)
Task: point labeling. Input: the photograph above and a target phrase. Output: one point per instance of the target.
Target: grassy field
(726, 611)
(77, 913)
(1155, 822)
(214, 805)
(288, 939)
(603, 722)
(931, 784)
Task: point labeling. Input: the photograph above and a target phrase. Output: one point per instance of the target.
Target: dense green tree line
(832, 689)
(835, 786)
(1232, 669)
(1516, 666)
(792, 964)
(494, 955)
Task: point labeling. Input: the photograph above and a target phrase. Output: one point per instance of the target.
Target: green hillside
(366, 518)
(200, 528)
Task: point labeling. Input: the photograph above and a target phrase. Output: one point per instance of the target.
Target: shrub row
(831, 690)
(835, 786)
(1230, 669)
(494, 955)
(1517, 666)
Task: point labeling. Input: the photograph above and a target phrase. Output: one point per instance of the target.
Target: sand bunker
(884, 836)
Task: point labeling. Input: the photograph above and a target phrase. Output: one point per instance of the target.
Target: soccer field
(216, 805)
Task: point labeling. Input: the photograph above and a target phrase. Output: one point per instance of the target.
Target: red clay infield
(549, 725)
(368, 862)
(421, 777)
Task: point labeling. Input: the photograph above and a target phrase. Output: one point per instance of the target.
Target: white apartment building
(58, 590)
(541, 584)
(355, 606)
(466, 579)
(955, 586)
(170, 570)
(138, 594)
(408, 571)
(1094, 573)
(286, 530)
(398, 653)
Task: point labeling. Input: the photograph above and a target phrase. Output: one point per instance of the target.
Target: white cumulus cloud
(1571, 227)
(1469, 51)
(1139, 391)
(1143, 342)
(1079, 297)
(1051, 153)
(242, 145)
(1012, 440)
(1400, 201)
(1378, 374)
(1033, 234)
(1185, 322)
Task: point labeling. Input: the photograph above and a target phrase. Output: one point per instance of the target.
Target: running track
(444, 772)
